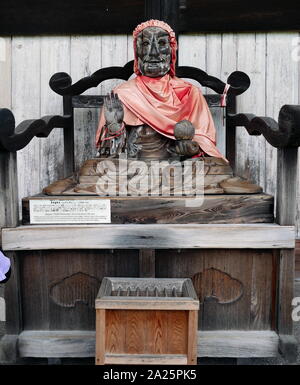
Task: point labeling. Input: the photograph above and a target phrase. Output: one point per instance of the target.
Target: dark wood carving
(78, 287)
(214, 284)
(285, 133)
(14, 138)
(61, 82)
(239, 81)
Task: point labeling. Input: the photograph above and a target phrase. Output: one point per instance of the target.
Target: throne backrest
(86, 109)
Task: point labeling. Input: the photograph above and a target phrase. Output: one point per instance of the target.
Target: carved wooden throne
(241, 260)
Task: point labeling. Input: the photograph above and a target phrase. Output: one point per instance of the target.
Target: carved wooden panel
(78, 287)
(216, 284)
(59, 286)
(236, 288)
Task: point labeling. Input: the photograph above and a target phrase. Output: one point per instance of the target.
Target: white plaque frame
(69, 211)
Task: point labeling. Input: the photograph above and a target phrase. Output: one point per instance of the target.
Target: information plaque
(51, 211)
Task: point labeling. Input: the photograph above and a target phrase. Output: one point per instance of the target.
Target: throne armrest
(14, 138)
(284, 133)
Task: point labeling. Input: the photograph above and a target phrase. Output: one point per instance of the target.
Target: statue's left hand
(187, 147)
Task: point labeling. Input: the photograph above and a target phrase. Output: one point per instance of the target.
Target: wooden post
(100, 341)
(147, 263)
(9, 217)
(8, 189)
(230, 132)
(285, 215)
(165, 10)
(68, 138)
(192, 337)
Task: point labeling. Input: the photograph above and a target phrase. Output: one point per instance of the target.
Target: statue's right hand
(113, 110)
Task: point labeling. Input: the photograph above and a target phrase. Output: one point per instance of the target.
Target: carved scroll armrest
(61, 82)
(239, 81)
(285, 133)
(14, 138)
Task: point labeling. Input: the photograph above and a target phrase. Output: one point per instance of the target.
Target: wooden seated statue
(155, 116)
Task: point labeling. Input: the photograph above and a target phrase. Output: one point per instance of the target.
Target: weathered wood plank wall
(270, 59)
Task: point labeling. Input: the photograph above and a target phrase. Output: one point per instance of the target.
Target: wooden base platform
(242, 344)
(251, 208)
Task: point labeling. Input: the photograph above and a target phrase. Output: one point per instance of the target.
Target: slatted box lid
(147, 294)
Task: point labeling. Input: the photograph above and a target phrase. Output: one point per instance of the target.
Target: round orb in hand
(184, 130)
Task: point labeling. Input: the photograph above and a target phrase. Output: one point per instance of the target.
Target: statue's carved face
(154, 52)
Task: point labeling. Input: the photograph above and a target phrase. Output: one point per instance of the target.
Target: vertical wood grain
(130, 52)
(285, 291)
(285, 215)
(135, 332)
(100, 337)
(115, 331)
(12, 314)
(26, 99)
(214, 57)
(5, 72)
(55, 57)
(297, 221)
(147, 263)
(192, 337)
(13, 297)
(250, 150)
(178, 331)
(114, 53)
(261, 314)
(194, 54)
(282, 87)
(86, 58)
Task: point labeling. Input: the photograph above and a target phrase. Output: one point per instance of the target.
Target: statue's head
(154, 49)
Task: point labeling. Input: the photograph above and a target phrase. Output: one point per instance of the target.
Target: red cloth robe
(163, 102)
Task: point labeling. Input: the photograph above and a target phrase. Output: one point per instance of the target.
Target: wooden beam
(233, 343)
(232, 236)
(146, 303)
(216, 343)
(285, 215)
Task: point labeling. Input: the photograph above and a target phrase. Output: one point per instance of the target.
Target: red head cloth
(164, 101)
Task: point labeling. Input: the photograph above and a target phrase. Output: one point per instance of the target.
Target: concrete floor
(202, 361)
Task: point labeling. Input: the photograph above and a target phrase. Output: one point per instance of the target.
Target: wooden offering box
(146, 321)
